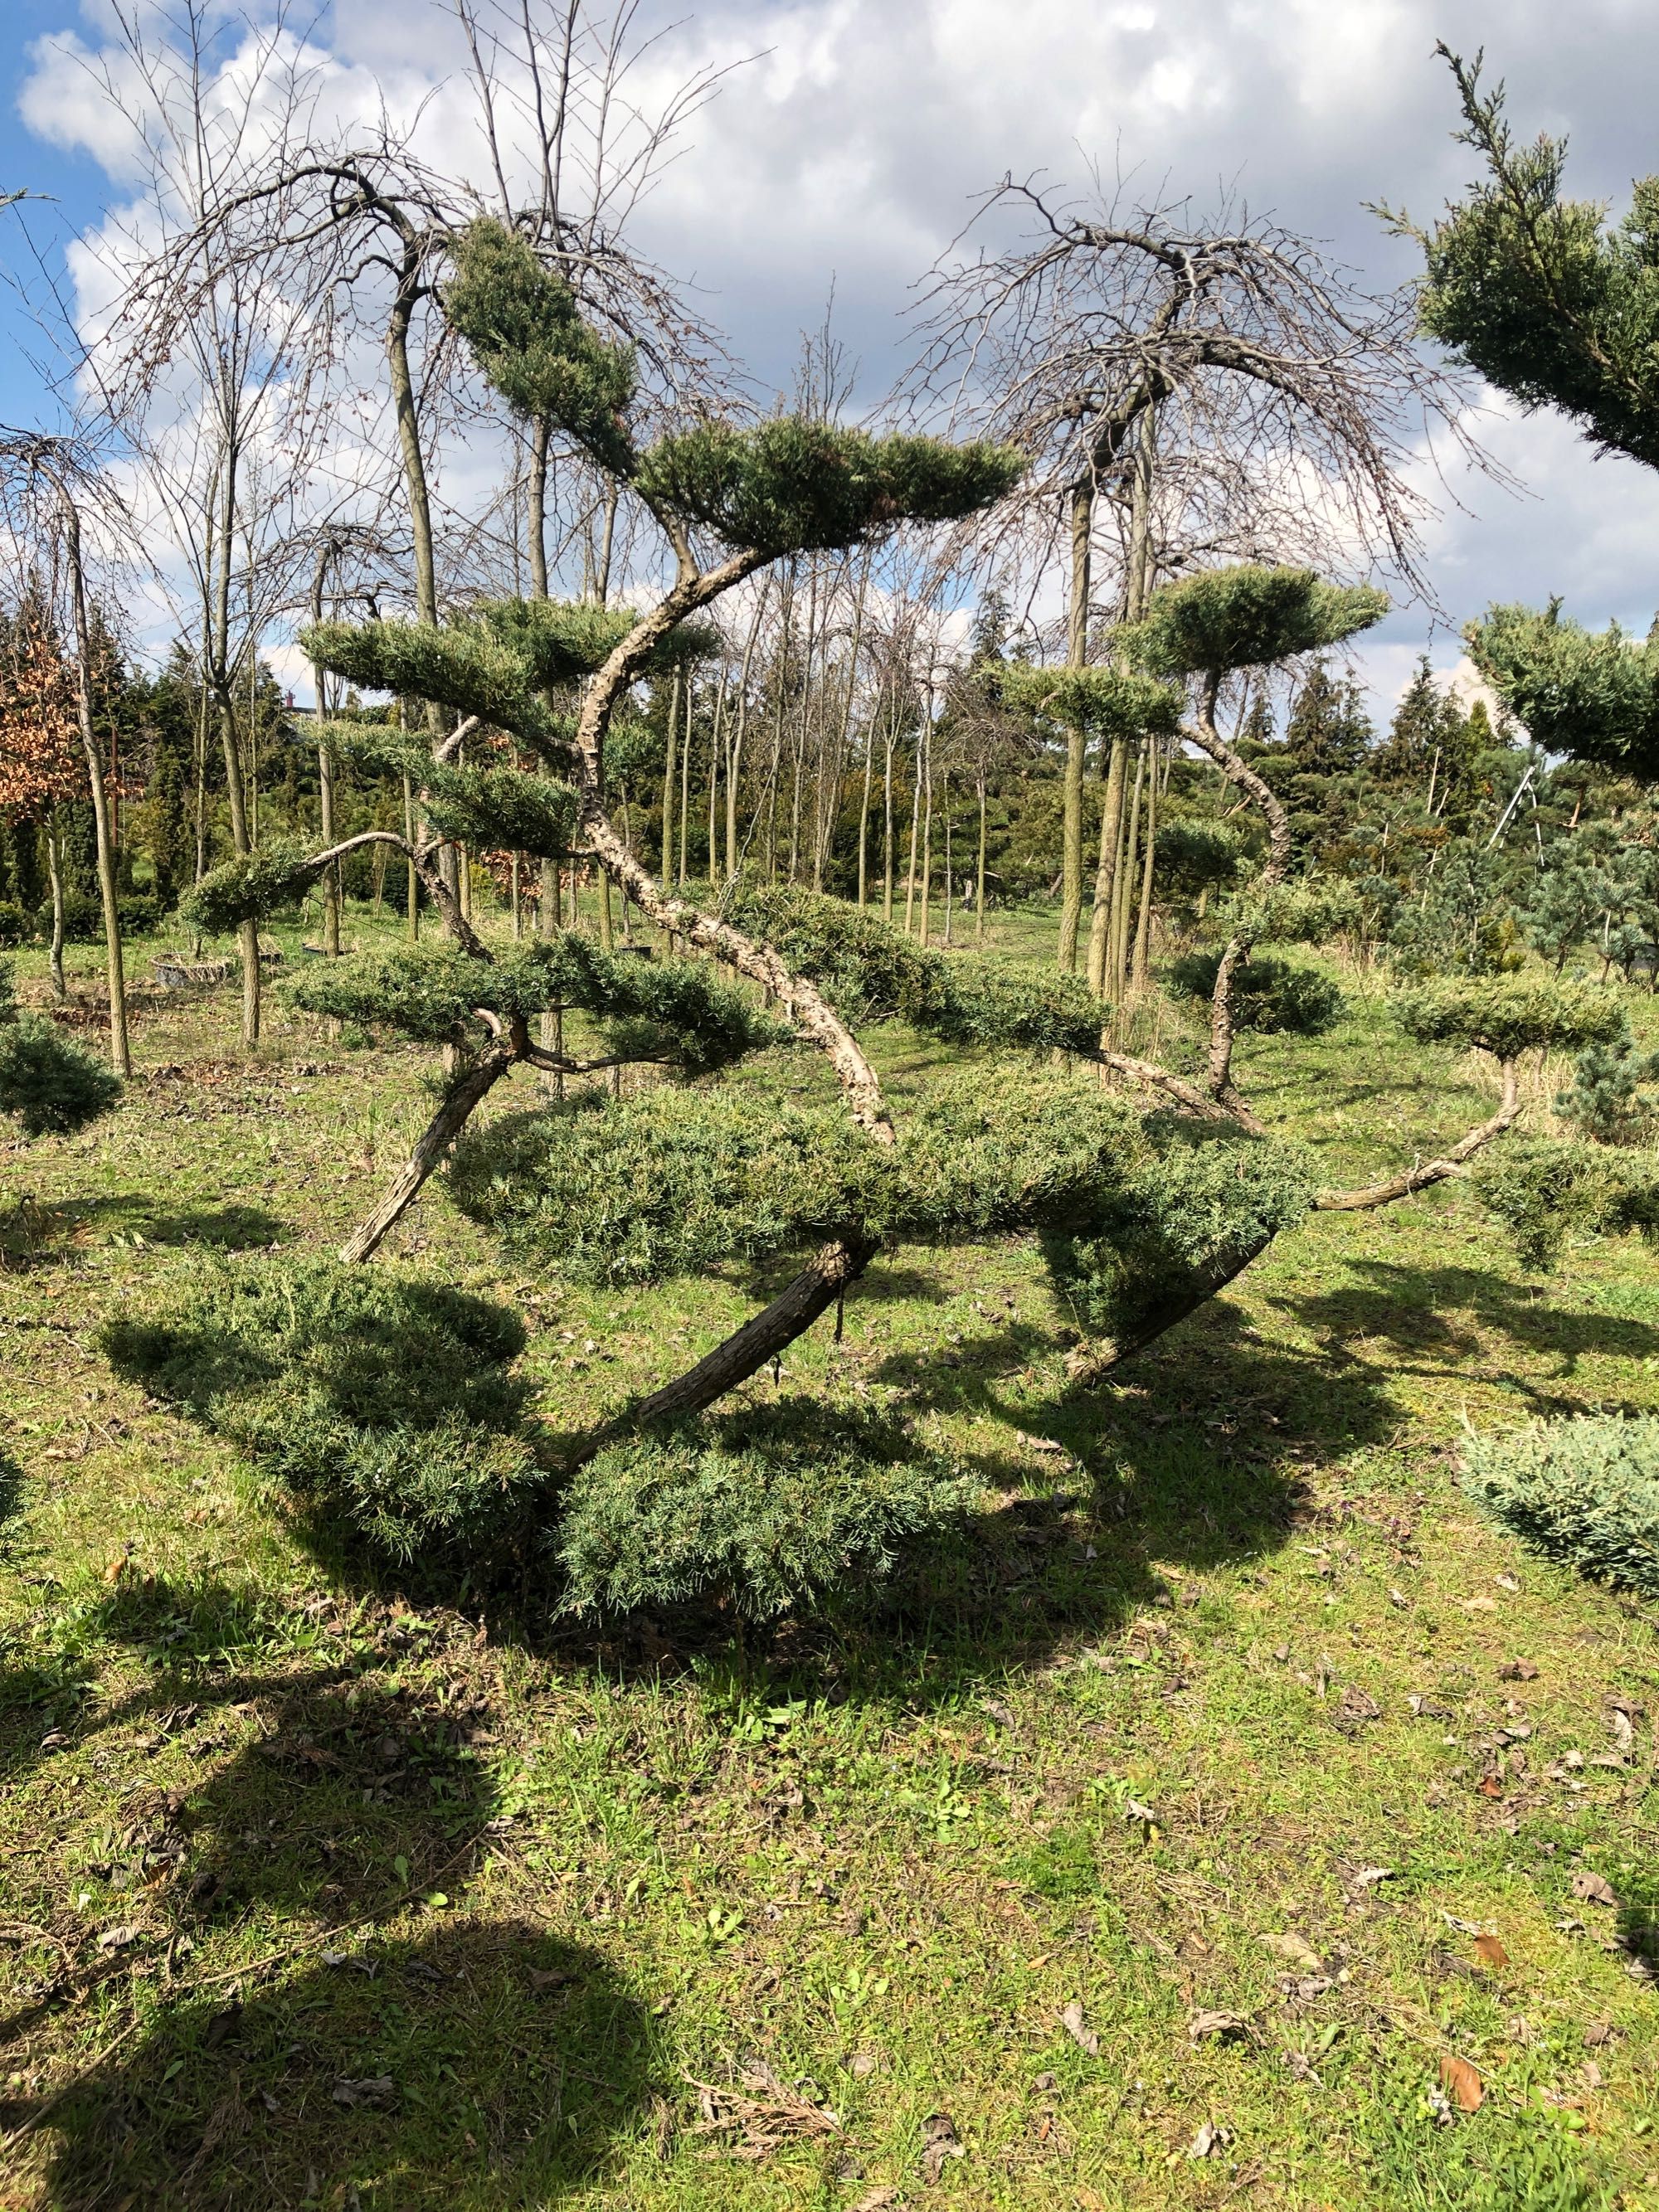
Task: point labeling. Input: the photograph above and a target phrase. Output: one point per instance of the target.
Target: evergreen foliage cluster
(1246, 617)
(1271, 997)
(1595, 695)
(388, 1404)
(759, 1509)
(1127, 1208)
(677, 1013)
(1548, 299)
(1608, 1099)
(1510, 1015)
(53, 1086)
(1584, 1492)
(1546, 1190)
(390, 1410)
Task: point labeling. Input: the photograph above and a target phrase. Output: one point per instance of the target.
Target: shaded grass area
(322, 1888)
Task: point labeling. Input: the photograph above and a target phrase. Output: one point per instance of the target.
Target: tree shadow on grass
(1439, 1314)
(1196, 1456)
(485, 2065)
(32, 1235)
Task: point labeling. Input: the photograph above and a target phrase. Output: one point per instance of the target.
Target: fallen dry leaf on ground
(1293, 1947)
(378, 2090)
(1593, 1889)
(1461, 2083)
(1208, 2140)
(939, 2141)
(1489, 1948)
(1218, 2024)
(1072, 2021)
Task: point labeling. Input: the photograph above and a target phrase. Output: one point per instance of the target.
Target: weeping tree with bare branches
(1188, 390)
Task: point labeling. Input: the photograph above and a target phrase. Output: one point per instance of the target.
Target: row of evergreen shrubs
(140, 915)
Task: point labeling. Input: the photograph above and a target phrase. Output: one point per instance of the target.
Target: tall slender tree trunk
(667, 871)
(950, 888)
(926, 845)
(325, 771)
(412, 883)
(979, 877)
(685, 779)
(864, 816)
(716, 749)
(199, 767)
(417, 493)
(1077, 643)
(887, 818)
(1141, 972)
(1137, 579)
(541, 431)
(119, 1049)
(734, 759)
(1111, 837)
(1125, 888)
(915, 836)
(55, 877)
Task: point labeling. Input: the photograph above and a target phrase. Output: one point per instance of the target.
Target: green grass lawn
(321, 1891)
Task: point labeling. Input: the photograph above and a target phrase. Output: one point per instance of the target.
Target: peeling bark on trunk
(819, 1284)
(435, 1139)
(1428, 1172)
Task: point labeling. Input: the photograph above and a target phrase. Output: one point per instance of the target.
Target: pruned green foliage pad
(1201, 1202)
(1545, 1191)
(1585, 1492)
(1248, 616)
(503, 809)
(871, 972)
(1110, 702)
(676, 1012)
(248, 888)
(791, 486)
(387, 1402)
(675, 1181)
(762, 1509)
(1508, 1015)
(1271, 997)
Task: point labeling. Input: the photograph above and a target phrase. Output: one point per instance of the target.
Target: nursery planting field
(1251, 1824)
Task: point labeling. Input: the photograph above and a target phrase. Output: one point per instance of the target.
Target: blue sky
(75, 192)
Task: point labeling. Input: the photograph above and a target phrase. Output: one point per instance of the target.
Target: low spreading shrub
(391, 1407)
(760, 1509)
(52, 1084)
(1585, 1492)
(1545, 1190)
(387, 1403)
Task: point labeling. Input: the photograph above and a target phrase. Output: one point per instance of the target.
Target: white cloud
(852, 146)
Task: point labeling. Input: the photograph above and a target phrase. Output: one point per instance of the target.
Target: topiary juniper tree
(1142, 1218)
